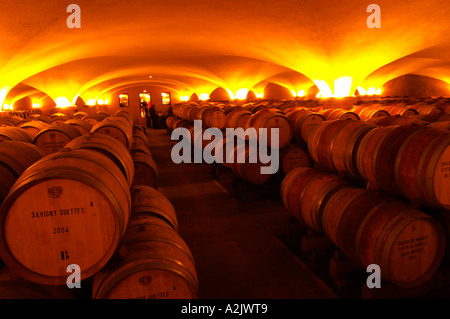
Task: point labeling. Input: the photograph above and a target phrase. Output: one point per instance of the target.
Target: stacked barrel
(375, 180)
(235, 148)
(80, 193)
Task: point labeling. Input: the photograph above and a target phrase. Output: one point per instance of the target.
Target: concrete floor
(235, 242)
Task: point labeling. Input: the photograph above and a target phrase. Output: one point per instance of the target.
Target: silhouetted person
(154, 116)
(147, 114)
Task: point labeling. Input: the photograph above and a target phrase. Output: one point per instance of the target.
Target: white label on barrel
(45, 233)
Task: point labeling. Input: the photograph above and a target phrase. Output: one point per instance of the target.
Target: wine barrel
(425, 109)
(401, 110)
(245, 162)
(341, 114)
(17, 156)
(422, 167)
(55, 137)
(367, 151)
(237, 117)
(8, 179)
(383, 121)
(158, 265)
(293, 156)
(59, 117)
(12, 133)
(334, 145)
(140, 138)
(212, 116)
(80, 115)
(267, 120)
(117, 127)
(80, 216)
(110, 147)
(14, 287)
(33, 127)
(146, 200)
(94, 119)
(444, 125)
(387, 152)
(366, 113)
(84, 127)
(126, 115)
(145, 170)
(293, 193)
(139, 148)
(343, 214)
(303, 123)
(407, 244)
(173, 122)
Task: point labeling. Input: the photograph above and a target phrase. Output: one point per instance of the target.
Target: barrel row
(410, 161)
(235, 117)
(368, 226)
(237, 154)
(85, 184)
(145, 168)
(90, 197)
(152, 260)
(155, 263)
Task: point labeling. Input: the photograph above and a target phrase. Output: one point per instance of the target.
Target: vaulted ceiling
(197, 46)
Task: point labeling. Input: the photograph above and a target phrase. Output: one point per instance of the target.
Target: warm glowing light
(259, 95)
(294, 94)
(184, 98)
(361, 90)
(204, 96)
(90, 102)
(100, 102)
(241, 94)
(371, 91)
(343, 86)
(231, 94)
(6, 107)
(301, 93)
(324, 89)
(62, 102)
(378, 91)
(36, 105)
(3, 93)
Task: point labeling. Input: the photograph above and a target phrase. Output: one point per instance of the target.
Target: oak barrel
(118, 127)
(33, 127)
(55, 137)
(146, 200)
(293, 156)
(422, 167)
(158, 265)
(407, 244)
(14, 287)
(12, 133)
(145, 170)
(110, 147)
(304, 192)
(80, 217)
(334, 145)
(17, 156)
(84, 127)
